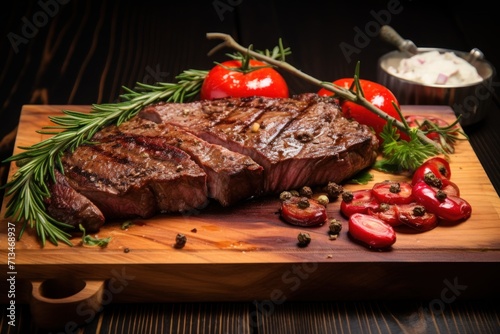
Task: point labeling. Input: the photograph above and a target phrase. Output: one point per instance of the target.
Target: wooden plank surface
(246, 252)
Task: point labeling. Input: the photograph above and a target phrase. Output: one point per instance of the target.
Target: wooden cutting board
(247, 253)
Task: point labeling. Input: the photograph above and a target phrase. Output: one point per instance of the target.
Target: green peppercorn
(395, 188)
(303, 203)
(304, 239)
(335, 226)
(419, 211)
(180, 240)
(347, 196)
(441, 195)
(323, 200)
(285, 195)
(333, 190)
(383, 207)
(306, 192)
(431, 179)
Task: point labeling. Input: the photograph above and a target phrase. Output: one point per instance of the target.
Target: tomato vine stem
(357, 98)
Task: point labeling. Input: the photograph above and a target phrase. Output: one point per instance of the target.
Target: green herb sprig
(28, 188)
(93, 241)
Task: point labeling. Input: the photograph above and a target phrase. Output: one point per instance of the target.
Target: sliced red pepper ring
(371, 231)
(387, 213)
(310, 214)
(358, 201)
(440, 167)
(392, 192)
(446, 207)
(416, 216)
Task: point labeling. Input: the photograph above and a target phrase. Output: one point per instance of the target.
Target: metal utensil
(391, 36)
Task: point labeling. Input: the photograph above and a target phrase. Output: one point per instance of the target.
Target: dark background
(82, 52)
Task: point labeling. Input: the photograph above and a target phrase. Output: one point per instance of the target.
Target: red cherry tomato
(314, 214)
(448, 208)
(361, 201)
(416, 216)
(378, 95)
(393, 192)
(371, 231)
(226, 80)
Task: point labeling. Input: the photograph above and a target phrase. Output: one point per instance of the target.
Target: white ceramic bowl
(471, 101)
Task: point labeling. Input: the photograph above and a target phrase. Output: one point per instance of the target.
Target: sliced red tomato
(377, 94)
(393, 192)
(448, 208)
(387, 213)
(371, 231)
(295, 214)
(416, 216)
(228, 79)
(360, 202)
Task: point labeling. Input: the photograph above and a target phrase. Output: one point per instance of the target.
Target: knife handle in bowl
(391, 36)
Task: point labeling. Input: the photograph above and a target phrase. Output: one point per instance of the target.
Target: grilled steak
(69, 206)
(173, 157)
(231, 176)
(300, 141)
(136, 176)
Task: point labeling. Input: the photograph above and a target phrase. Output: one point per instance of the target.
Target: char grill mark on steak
(231, 177)
(301, 141)
(136, 177)
(172, 156)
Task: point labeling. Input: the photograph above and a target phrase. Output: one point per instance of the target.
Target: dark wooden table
(82, 52)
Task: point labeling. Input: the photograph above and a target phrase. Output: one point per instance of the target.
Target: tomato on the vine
(378, 95)
(229, 79)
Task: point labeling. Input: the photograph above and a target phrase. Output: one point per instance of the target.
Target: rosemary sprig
(448, 135)
(28, 187)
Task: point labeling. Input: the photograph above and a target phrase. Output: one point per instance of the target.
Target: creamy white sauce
(435, 68)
